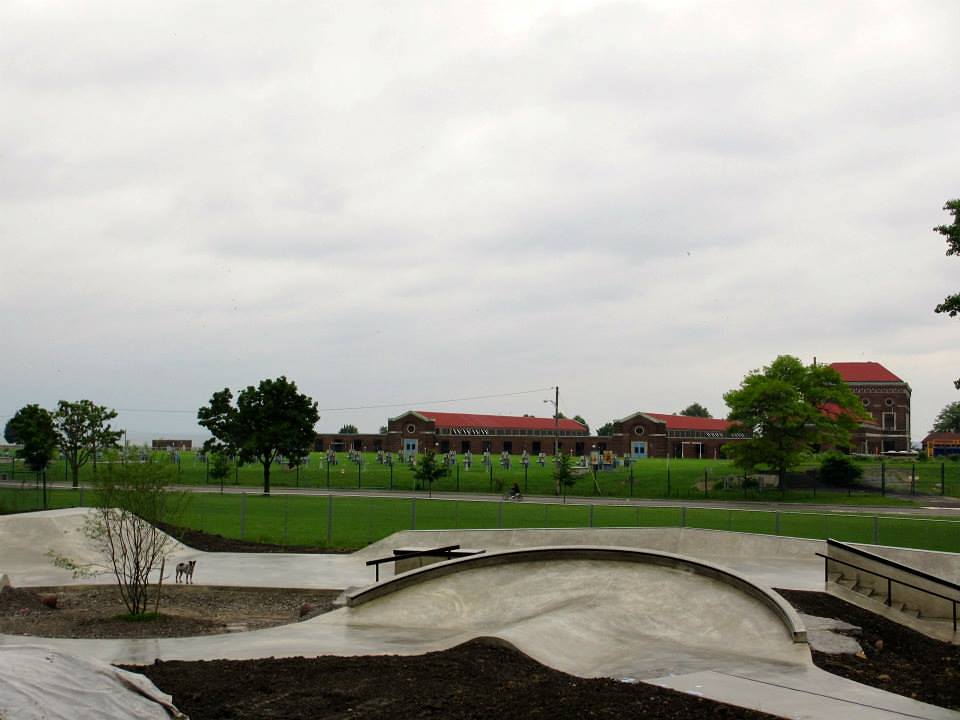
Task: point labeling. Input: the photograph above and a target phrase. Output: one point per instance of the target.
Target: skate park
(688, 609)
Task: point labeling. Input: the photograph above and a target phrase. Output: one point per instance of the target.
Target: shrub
(839, 469)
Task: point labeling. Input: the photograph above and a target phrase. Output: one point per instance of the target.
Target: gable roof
(864, 372)
(684, 422)
(504, 422)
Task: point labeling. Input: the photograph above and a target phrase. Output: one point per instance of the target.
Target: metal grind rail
(890, 580)
(447, 552)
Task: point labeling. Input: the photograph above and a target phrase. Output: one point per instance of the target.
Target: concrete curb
(781, 608)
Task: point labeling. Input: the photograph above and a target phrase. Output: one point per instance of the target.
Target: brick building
(941, 444)
(647, 434)
(638, 436)
(887, 398)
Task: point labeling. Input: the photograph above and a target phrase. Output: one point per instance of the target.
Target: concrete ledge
(783, 610)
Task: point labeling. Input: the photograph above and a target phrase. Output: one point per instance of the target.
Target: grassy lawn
(650, 478)
(353, 522)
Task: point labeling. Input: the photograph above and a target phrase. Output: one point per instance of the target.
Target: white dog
(185, 571)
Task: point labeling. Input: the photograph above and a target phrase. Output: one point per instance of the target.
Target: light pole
(556, 426)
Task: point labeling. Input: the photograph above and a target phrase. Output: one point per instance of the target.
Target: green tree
(268, 420)
(788, 408)
(10, 433)
(948, 419)
(428, 470)
(563, 473)
(605, 429)
(349, 429)
(33, 428)
(696, 410)
(579, 419)
(951, 303)
(82, 429)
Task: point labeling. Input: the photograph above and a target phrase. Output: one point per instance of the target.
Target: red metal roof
(683, 422)
(941, 435)
(864, 372)
(503, 422)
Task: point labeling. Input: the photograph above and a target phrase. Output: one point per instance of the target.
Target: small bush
(49, 601)
(839, 469)
(749, 483)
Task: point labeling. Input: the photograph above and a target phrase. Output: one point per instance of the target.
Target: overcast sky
(397, 202)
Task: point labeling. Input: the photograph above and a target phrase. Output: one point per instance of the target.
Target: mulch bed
(897, 658)
(96, 611)
(480, 679)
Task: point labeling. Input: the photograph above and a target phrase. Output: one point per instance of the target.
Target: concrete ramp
(595, 612)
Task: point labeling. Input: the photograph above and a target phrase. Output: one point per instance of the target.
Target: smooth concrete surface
(599, 554)
(586, 617)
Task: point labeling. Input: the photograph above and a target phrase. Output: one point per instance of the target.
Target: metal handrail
(447, 551)
(889, 601)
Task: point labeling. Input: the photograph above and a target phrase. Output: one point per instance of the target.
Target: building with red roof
(940, 443)
(648, 434)
(887, 398)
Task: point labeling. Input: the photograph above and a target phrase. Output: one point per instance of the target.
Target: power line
(368, 407)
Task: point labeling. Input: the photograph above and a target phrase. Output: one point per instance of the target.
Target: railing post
(876, 530)
(889, 592)
(413, 513)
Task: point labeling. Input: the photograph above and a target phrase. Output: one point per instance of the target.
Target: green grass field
(353, 522)
(651, 478)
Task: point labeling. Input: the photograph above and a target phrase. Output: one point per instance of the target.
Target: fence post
(526, 484)
(243, 513)
(668, 481)
(943, 486)
(359, 465)
(458, 478)
(500, 514)
(776, 530)
(631, 480)
(413, 513)
(490, 466)
(329, 520)
(391, 474)
(876, 530)
(913, 478)
(883, 479)
(286, 502)
(683, 516)
(591, 515)
(705, 493)
(328, 474)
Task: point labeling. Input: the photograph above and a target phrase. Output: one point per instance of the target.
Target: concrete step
(912, 612)
(848, 583)
(866, 590)
(834, 577)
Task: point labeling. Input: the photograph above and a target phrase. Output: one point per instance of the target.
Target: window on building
(889, 421)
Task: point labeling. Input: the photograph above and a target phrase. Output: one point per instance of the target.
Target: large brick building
(647, 434)
(887, 398)
(638, 436)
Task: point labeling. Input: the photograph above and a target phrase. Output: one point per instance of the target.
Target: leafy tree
(563, 473)
(219, 466)
(948, 420)
(10, 433)
(428, 470)
(787, 408)
(383, 430)
(579, 419)
(839, 469)
(349, 429)
(951, 304)
(131, 503)
(696, 410)
(82, 428)
(605, 429)
(33, 427)
(268, 420)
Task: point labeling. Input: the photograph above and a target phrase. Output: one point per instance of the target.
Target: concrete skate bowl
(595, 611)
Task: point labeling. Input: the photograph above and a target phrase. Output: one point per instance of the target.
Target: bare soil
(96, 611)
(481, 679)
(895, 658)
